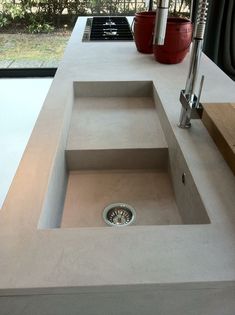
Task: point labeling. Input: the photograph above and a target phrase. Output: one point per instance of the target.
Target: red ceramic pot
(143, 31)
(177, 41)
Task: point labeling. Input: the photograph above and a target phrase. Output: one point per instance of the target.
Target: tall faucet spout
(160, 23)
(196, 49)
(188, 98)
(193, 70)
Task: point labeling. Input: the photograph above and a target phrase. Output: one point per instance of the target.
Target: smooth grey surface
(52, 209)
(115, 118)
(166, 301)
(113, 128)
(191, 206)
(45, 262)
(145, 158)
(102, 127)
(148, 191)
(113, 89)
(21, 102)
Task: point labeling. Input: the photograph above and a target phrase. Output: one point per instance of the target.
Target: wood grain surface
(219, 119)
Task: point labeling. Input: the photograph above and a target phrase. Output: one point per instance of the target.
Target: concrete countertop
(19, 111)
(72, 260)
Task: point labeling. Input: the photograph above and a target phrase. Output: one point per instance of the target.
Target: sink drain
(119, 214)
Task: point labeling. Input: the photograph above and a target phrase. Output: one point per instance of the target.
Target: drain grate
(119, 214)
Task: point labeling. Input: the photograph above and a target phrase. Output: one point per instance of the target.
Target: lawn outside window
(33, 34)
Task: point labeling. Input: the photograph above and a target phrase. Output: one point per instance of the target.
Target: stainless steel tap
(191, 107)
(160, 22)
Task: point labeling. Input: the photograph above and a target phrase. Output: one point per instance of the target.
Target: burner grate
(107, 28)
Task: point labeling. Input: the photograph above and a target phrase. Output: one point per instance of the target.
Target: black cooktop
(107, 28)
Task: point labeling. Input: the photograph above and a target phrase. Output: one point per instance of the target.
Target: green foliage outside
(43, 16)
(24, 22)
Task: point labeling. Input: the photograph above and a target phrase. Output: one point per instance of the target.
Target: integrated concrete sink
(170, 260)
(118, 148)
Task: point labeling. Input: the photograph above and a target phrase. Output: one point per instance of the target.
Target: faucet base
(184, 126)
(191, 109)
(184, 122)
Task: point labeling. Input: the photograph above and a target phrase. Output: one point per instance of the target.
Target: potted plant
(178, 35)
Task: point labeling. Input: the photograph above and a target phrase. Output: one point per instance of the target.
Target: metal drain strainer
(119, 214)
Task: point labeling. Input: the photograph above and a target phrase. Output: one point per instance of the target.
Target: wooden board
(219, 119)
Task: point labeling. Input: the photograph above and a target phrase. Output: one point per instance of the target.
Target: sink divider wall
(52, 208)
(188, 199)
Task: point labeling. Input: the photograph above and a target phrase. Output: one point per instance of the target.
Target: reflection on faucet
(160, 22)
(191, 107)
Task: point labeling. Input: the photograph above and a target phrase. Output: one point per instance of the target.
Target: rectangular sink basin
(149, 192)
(118, 150)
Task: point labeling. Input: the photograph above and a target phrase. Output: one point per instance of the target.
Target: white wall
(20, 103)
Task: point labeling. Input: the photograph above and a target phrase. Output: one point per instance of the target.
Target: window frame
(27, 72)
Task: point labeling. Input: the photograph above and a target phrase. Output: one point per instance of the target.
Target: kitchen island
(155, 269)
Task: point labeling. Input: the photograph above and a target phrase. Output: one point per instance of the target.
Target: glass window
(34, 33)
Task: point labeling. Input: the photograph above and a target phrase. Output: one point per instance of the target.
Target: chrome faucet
(160, 22)
(191, 106)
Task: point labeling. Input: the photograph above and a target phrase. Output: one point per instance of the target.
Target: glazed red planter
(143, 25)
(177, 41)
